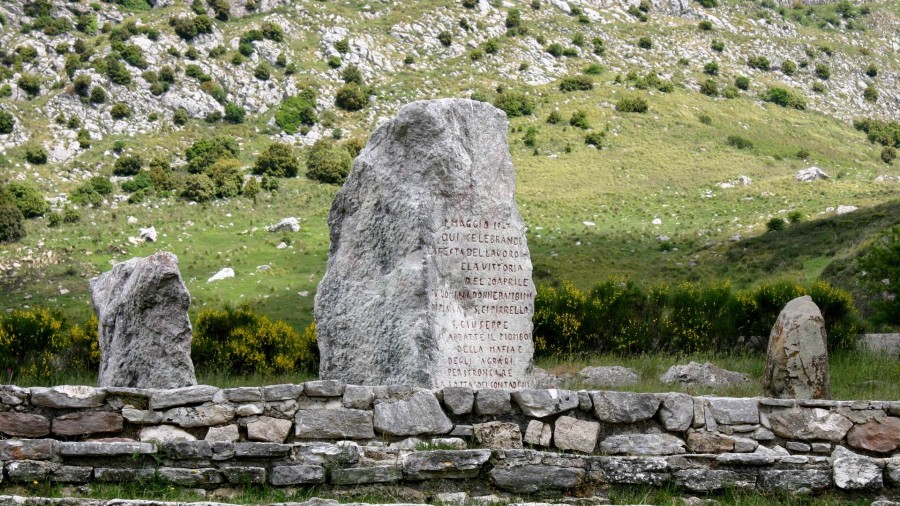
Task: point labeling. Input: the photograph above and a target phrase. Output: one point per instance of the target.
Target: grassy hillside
(590, 211)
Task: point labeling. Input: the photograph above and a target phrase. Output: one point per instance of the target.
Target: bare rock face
(429, 276)
(145, 333)
(797, 359)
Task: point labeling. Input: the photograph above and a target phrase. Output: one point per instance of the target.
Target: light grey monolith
(145, 333)
(428, 280)
(797, 358)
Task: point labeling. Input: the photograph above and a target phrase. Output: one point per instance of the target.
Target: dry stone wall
(525, 441)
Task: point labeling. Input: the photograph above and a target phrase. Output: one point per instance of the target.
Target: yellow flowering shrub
(238, 340)
(29, 342)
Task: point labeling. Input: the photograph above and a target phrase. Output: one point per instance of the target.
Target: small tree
(28, 199)
(12, 227)
(128, 166)
(352, 97)
(35, 153)
(327, 162)
(278, 160)
(775, 225)
(882, 265)
(7, 122)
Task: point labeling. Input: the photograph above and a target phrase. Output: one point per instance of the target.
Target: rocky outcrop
(705, 375)
(145, 333)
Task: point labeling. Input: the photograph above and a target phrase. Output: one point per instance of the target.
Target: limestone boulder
(855, 472)
(797, 356)
(428, 281)
(704, 375)
(608, 376)
(145, 332)
(810, 424)
(624, 407)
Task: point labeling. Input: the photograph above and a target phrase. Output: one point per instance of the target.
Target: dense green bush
(141, 181)
(205, 152)
(198, 188)
(514, 104)
(784, 97)
(241, 341)
(788, 67)
(622, 317)
(645, 42)
(870, 94)
(102, 185)
(12, 223)
(30, 84)
(576, 83)
(187, 28)
(98, 95)
(886, 133)
(775, 225)
(117, 72)
(227, 177)
(709, 88)
(128, 165)
(579, 120)
(823, 71)
(263, 71)
(881, 262)
(632, 104)
(28, 199)
(234, 113)
(35, 153)
(296, 111)
(278, 160)
(739, 142)
(742, 83)
(7, 122)
(120, 110)
(328, 162)
(888, 154)
(352, 97)
(711, 68)
(445, 38)
(595, 139)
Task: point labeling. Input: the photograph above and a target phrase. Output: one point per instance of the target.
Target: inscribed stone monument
(429, 276)
(145, 332)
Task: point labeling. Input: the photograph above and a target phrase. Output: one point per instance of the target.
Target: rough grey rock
(434, 190)
(642, 444)
(419, 414)
(145, 332)
(630, 470)
(623, 407)
(543, 403)
(855, 472)
(879, 435)
(257, 450)
(492, 401)
(706, 480)
(358, 397)
(363, 475)
(268, 429)
(323, 388)
(142, 416)
(103, 449)
(190, 477)
(84, 422)
(810, 424)
(240, 475)
(200, 416)
(706, 375)
(68, 396)
(733, 410)
(243, 394)
(198, 394)
(534, 478)
(27, 449)
(225, 433)
(282, 392)
(539, 433)
(24, 424)
(498, 435)
(453, 464)
(459, 400)
(286, 225)
(334, 423)
(296, 475)
(677, 412)
(797, 356)
(709, 442)
(574, 434)
(165, 434)
(608, 376)
(794, 480)
(810, 174)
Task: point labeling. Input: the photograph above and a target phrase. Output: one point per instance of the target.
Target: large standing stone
(429, 275)
(797, 359)
(145, 333)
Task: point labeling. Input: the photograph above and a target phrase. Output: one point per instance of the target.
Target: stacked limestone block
(325, 432)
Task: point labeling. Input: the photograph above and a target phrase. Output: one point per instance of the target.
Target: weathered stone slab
(492, 402)
(188, 450)
(420, 413)
(608, 376)
(630, 470)
(72, 474)
(296, 475)
(797, 356)
(855, 472)
(93, 449)
(623, 407)
(733, 410)
(707, 480)
(538, 433)
(364, 475)
(161, 399)
(240, 475)
(68, 396)
(268, 429)
(880, 435)
(706, 375)
(338, 423)
(27, 449)
(676, 412)
(438, 291)
(443, 464)
(24, 425)
(534, 478)
(243, 394)
(358, 397)
(30, 470)
(574, 434)
(142, 416)
(498, 435)
(642, 444)
(266, 450)
(323, 388)
(709, 442)
(459, 400)
(123, 474)
(282, 392)
(145, 332)
(81, 423)
(190, 477)
(200, 416)
(165, 434)
(793, 480)
(810, 424)
(543, 403)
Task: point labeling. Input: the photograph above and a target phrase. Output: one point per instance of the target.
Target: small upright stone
(427, 245)
(797, 358)
(145, 333)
